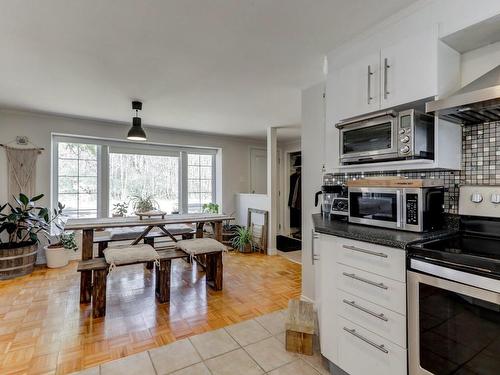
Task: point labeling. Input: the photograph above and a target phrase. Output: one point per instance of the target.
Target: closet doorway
(289, 241)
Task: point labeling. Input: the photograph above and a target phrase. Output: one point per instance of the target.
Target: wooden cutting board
(395, 182)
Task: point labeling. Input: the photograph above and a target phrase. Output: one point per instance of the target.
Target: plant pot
(246, 249)
(56, 256)
(17, 259)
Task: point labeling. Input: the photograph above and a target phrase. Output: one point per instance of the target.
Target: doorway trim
(250, 149)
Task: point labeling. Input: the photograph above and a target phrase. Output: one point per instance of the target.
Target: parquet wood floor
(44, 329)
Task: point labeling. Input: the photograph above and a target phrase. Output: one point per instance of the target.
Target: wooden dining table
(88, 226)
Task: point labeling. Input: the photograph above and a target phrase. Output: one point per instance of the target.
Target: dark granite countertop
(376, 235)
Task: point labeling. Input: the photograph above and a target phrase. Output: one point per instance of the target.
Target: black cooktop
(475, 249)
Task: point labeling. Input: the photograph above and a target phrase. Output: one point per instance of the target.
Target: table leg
(142, 235)
(199, 230)
(149, 241)
(218, 231)
(162, 287)
(86, 277)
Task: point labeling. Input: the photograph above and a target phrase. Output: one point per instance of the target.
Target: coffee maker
(333, 198)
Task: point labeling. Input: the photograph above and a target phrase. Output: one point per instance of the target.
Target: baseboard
(272, 252)
(307, 299)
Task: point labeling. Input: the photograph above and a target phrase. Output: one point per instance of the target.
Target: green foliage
(143, 204)
(27, 221)
(120, 209)
(243, 238)
(68, 241)
(211, 208)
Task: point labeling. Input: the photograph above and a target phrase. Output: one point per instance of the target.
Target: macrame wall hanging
(21, 170)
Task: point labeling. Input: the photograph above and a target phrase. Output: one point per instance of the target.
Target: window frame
(108, 146)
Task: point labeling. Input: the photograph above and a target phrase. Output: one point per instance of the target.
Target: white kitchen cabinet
(362, 352)
(409, 69)
(358, 86)
(352, 297)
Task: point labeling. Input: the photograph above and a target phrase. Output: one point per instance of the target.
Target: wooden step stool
(300, 327)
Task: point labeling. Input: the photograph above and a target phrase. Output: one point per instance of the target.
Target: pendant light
(136, 132)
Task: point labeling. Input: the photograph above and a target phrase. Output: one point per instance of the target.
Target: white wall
(479, 61)
(38, 127)
(245, 201)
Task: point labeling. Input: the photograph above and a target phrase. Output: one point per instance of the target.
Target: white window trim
(117, 146)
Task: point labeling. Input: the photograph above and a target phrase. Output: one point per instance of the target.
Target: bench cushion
(199, 246)
(127, 254)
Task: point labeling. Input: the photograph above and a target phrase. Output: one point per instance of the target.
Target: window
(200, 181)
(91, 176)
(144, 175)
(77, 178)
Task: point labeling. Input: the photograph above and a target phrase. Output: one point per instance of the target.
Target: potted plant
(210, 208)
(120, 209)
(144, 203)
(243, 240)
(23, 226)
(56, 253)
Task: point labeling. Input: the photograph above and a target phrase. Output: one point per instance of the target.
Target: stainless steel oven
(453, 321)
(387, 135)
(411, 209)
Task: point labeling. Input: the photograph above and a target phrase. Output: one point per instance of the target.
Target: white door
(356, 87)
(409, 69)
(258, 171)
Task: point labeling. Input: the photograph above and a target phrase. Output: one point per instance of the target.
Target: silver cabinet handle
(364, 251)
(364, 309)
(380, 347)
(386, 68)
(314, 236)
(369, 86)
(362, 279)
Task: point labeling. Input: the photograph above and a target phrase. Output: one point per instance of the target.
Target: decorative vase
(57, 256)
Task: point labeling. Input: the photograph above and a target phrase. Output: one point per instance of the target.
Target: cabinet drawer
(385, 261)
(362, 352)
(375, 318)
(371, 287)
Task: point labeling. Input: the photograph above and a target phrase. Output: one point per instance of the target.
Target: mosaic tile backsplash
(480, 164)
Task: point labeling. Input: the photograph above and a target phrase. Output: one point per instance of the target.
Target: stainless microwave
(410, 209)
(385, 136)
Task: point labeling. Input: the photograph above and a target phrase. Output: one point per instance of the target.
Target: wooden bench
(98, 268)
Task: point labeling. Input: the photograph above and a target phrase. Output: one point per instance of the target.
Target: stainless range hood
(475, 103)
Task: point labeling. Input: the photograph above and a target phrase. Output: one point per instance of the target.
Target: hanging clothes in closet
(294, 197)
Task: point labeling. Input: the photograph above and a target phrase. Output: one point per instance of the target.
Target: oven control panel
(479, 200)
(412, 209)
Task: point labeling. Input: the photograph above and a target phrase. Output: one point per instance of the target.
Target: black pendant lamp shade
(136, 132)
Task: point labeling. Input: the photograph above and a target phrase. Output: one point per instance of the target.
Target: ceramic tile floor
(254, 346)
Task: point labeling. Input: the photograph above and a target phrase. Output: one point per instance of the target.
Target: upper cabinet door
(409, 70)
(357, 87)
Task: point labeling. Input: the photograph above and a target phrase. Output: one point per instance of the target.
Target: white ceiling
(221, 66)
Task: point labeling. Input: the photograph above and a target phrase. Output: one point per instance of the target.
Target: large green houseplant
(21, 227)
(243, 240)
